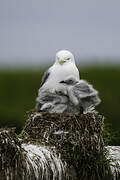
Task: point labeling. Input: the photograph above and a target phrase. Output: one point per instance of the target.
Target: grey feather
(81, 96)
(45, 77)
(86, 94)
(51, 102)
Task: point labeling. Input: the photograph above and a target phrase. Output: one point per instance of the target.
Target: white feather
(58, 72)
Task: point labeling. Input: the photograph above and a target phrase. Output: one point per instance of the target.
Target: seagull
(63, 67)
(62, 90)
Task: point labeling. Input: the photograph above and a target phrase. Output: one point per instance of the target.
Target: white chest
(59, 73)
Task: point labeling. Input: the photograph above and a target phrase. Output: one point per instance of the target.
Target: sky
(32, 31)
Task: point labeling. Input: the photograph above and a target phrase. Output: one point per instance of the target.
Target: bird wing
(45, 77)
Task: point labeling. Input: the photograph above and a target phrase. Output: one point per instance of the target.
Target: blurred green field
(19, 88)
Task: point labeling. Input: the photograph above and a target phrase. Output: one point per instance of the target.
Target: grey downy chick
(48, 101)
(81, 94)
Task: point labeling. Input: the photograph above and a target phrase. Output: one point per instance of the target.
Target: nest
(74, 140)
(64, 130)
(77, 137)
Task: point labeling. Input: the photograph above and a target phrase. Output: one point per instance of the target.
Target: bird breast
(60, 72)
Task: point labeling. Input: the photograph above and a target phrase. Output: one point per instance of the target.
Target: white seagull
(63, 67)
(62, 90)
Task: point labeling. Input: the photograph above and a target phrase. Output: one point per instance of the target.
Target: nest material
(73, 140)
(11, 155)
(59, 130)
(78, 138)
(19, 161)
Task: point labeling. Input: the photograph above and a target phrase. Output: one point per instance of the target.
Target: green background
(19, 89)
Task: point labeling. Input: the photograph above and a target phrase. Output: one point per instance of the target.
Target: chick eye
(68, 59)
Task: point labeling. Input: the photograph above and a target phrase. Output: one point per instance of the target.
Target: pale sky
(32, 31)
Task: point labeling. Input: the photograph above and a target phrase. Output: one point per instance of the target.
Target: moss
(21, 136)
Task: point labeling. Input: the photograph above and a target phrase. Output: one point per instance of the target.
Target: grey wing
(45, 77)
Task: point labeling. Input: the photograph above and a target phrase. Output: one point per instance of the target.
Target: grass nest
(77, 137)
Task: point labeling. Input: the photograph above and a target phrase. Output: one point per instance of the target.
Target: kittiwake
(63, 67)
(62, 91)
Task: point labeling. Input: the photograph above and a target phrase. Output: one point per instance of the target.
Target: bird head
(64, 56)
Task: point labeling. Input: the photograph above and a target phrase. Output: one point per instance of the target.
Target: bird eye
(68, 59)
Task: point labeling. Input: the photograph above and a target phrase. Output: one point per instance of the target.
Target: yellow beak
(61, 61)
